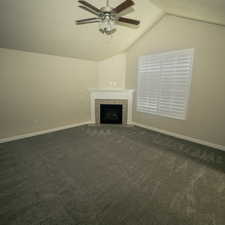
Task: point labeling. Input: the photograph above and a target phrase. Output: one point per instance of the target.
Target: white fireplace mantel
(111, 94)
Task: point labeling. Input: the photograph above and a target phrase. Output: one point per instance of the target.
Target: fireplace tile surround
(111, 96)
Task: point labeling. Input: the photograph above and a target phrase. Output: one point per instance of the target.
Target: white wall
(206, 111)
(40, 92)
(112, 72)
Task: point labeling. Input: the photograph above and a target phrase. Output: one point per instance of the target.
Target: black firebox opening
(111, 114)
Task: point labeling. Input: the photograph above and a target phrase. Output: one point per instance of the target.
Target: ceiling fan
(107, 16)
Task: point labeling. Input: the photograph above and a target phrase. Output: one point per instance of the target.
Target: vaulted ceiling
(212, 11)
(47, 26)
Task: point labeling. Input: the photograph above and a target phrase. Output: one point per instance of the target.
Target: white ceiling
(47, 26)
(206, 10)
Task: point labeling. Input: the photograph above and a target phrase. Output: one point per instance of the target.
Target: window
(164, 82)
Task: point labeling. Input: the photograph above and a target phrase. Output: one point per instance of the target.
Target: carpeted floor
(110, 176)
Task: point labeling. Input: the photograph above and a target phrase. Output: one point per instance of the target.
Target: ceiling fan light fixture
(107, 25)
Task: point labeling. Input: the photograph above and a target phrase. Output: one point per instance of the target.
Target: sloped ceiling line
(198, 20)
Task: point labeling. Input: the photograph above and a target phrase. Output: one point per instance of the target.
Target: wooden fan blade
(89, 10)
(123, 6)
(90, 6)
(89, 20)
(127, 20)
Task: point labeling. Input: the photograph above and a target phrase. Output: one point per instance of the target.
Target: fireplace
(111, 106)
(111, 113)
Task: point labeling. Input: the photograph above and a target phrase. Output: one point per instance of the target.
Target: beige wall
(112, 72)
(39, 92)
(206, 112)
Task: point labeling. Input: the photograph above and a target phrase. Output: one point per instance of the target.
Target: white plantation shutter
(164, 82)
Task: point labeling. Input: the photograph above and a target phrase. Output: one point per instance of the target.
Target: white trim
(180, 136)
(110, 90)
(18, 137)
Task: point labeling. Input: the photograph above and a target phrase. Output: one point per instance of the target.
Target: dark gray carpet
(110, 176)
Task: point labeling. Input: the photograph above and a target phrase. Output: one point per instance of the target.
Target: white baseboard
(18, 137)
(180, 136)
